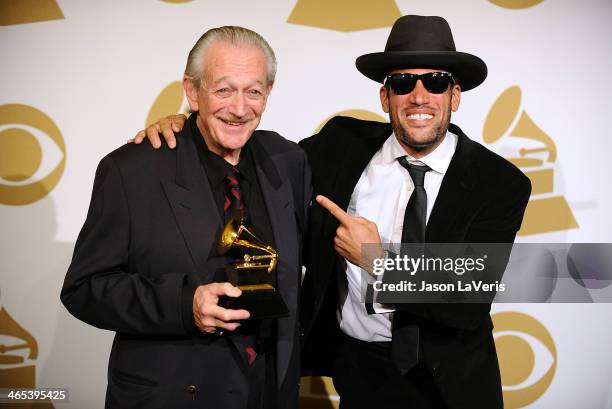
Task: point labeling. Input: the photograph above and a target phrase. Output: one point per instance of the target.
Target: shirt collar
(438, 160)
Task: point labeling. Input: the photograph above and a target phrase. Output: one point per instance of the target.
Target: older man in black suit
(418, 179)
(146, 263)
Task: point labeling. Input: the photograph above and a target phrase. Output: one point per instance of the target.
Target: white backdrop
(96, 70)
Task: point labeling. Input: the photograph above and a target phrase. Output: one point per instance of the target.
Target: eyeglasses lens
(434, 82)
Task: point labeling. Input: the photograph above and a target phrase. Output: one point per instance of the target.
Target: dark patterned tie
(405, 337)
(235, 207)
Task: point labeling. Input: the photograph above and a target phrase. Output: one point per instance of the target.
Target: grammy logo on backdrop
(29, 11)
(545, 212)
(353, 113)
(18, 351)
(345, 15)
(170, 101)
(318, 393)
(516, 4)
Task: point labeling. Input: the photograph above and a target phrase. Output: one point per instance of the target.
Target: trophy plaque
(252, 273)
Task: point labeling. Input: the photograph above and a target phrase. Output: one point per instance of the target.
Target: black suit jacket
(481, 200)
(148, 241)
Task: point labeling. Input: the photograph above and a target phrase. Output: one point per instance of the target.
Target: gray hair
(237, 36)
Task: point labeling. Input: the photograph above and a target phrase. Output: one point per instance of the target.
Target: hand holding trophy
(252, 274)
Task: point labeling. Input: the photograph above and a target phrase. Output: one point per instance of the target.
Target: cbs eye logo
(516, 4)
(527, 357)
(32, 154)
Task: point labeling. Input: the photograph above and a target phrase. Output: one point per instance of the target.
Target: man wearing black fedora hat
(417, 179)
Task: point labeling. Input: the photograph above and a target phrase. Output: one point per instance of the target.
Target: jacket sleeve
(103, 289)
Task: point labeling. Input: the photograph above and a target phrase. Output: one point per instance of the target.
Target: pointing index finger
(334, 209)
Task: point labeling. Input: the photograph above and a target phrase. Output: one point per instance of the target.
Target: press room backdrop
(78, 78)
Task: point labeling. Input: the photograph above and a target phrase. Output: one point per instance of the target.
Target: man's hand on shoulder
(167, 127)
(211, 318)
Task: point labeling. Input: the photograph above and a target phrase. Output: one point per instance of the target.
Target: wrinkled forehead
(224, 60)
(222, 52)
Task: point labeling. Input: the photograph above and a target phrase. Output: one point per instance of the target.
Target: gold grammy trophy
(252, 273)
(545, 212)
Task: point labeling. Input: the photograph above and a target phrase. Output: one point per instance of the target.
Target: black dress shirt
(260, 332)
(217, 169)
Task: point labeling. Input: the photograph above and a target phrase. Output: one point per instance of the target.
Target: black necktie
(413, 230)
(405, 334)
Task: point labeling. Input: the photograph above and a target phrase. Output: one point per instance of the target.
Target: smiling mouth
(232, 123)
(420, 117)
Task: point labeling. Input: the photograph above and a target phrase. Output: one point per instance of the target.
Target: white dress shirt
(381, 195)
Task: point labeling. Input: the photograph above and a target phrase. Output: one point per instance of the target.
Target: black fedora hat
(423, 42)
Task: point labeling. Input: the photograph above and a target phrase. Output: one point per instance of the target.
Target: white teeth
(232, 123)
(420, 116)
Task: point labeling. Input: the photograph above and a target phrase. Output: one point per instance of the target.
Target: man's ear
(268, 91)
(384, 98)
(191, 91)
(455, 97)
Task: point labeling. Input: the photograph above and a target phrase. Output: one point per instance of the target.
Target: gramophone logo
(546, 212)
(527, 357)
(355, 113)
(28, 11)
(32, 154)
(318, 392)
(171, 100)
(516, 4)
(18, 353)
(345, 15)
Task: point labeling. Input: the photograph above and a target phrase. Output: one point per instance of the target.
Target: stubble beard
(435, 135)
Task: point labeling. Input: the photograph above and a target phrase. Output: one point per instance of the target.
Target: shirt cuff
(188, 292)
(376, 306)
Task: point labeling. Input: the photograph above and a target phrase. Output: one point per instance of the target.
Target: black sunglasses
(435, 82)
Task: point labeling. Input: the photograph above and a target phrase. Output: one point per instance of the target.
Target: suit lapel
(457, 184)
(278, 195)
(354, 161)
(192, 202)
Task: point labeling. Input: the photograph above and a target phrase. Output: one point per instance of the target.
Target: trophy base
(261, 303)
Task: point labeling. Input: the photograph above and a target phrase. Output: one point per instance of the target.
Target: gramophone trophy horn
(251, 273)
(18, 352)
(503, 114)
(505, 119)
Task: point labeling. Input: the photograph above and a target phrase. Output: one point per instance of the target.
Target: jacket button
(191, 389)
